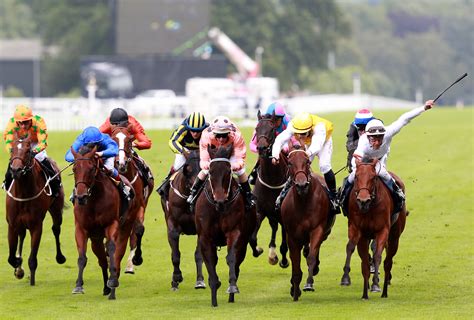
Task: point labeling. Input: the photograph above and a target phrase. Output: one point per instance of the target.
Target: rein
(208, 196)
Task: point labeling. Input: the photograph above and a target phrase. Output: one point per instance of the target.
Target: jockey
(356, 129)
(119, 117)
(282, 120)
(375, 143)
(107, 148)
(183, 140)
(314, 133)
(223, 132)
(24, 123)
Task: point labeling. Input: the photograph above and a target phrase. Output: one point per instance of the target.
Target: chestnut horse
(270, 182)
(179, 218)
(97, 205)
(126, 163)
(306, 216)
(370, 216)
(221, 219)
(28, 199)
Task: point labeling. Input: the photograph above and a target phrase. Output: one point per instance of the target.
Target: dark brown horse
(221, 219)
(126, 163)
(28, 199)
(270, 182)
(97, 206)
(370, 216)
(179, 218)
(305, 215)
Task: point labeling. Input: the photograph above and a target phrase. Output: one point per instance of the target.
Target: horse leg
(111, 234)
(272, 255)
(199, 277)
(57, 216)
(35, 234)
(13, 260)
(129, 268)
(209, 254)
(312, 259)
(363, 250)
(19, 272)
(256, 250)
(296, 274)
(392, 249)
(97, 245)
(381, 240)
(346, 279)
(120, 248)
(139, 231)
(240, 252)
(173, 239)
(284, 263)
(81, 244)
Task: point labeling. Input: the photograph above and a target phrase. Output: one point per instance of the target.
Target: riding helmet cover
(195, 122)
(375, 127)
(23, 113)
(277, 108)
(221, 125)
(363, 116)
(303, 122)
(91, 135)
(118, 115)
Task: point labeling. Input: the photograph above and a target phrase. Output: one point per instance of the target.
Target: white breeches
(109, 163)
(40, 156)
(179, 161)
(324, 156)
(379, 168)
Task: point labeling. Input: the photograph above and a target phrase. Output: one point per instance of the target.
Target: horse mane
(366, 159)
(224, 152)
(86, 149)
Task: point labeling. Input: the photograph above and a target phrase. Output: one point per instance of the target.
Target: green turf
(431, 275)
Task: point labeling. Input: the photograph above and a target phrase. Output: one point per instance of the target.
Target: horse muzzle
(363, 204)
(302, 187)
(17, 172)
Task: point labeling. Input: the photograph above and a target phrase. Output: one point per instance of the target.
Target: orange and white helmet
(22, 113)
(221, 125)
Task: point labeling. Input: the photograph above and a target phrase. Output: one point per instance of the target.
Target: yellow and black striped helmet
(196, 122)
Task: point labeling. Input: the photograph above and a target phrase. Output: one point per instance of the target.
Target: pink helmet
(276, 107)
(221, 124)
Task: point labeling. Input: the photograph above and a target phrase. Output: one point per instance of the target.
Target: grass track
(432, 272)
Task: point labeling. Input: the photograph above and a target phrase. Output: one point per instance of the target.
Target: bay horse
(180, 219)
(221, 219)
(28, 198)
(306, 216)
(269, 183)
(370, 209)
(97, 205)
(126, 164)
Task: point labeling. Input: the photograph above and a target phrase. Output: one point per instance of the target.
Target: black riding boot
(398, 196)
(253, 174)
(163, 188)
(50, 172)
(195, 189)
(330, 179)
(8, 178)
(283, 193)
(344, 195)
(248, 195)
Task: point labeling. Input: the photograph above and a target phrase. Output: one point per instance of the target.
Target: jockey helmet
(22, 113)
(363, 116)
(375, 127)
(302, 123)
(221, 124)
(91, 135)
(118, 115)
(195, 122)
(276, 107)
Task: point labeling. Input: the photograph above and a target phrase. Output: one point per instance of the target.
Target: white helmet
(375, 127)
(221, 124)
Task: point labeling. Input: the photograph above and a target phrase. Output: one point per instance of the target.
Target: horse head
(265, 133)
(364, 182)
(300, 169)
(21, 156)
(124, 139)
(85, 169)
(220, 174)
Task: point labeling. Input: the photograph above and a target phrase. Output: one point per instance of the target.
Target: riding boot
(8, 179)
(195, 189)
(163, 188)
(330, 179)
(55, 183)
(283, 193)
(344, 196)
(254, 173)
(398, 196)
(250, 199)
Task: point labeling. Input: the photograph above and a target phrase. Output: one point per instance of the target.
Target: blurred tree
(16, 20)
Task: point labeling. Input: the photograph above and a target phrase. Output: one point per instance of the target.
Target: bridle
(28, 164)
(306, 175)
(270, 140)
(211, 197)
(373, 191)
(88, 186)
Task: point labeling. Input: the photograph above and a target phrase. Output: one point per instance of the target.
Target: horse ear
(374, 161)
(74, 153)
(259, 115)
(94, 150)
(357, 160)
(229, 149)
(211, 151)
(273, 116)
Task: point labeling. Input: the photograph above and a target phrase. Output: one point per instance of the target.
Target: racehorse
(28, 199)
(126, 163)
(221, 219)
(370, 216)
(270, 182)
(180, 219)
(306, 216)
(97, 207)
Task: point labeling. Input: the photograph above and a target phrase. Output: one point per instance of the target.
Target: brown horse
(370, 216)
(28, 199)
(221, 219)
(306, 216)
(97, 206)
(179, 218)
(126, 163)
(270, 182)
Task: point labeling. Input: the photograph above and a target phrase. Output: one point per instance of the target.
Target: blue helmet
(277, 108)
(91, 135)
(363, 116)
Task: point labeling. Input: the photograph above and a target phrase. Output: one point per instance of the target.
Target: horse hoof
(106, 291)
(233, 289)
(60, 259)
(78, 290)
(15, 262)
(375, 288)
(174, 289)
(284, 265)
(112, 283)
(273, 261)
(129, 271)
(257, 252)
(308, 287)
(345, 281)
(19, 273)
(137, 260)
(200, 285)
